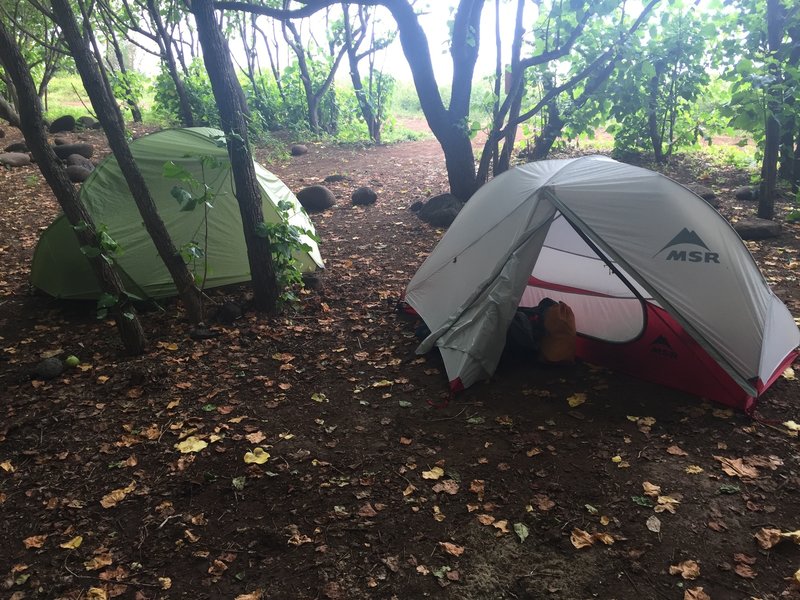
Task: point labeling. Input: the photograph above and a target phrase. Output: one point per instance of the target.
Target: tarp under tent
(661, 285)
(61, 269)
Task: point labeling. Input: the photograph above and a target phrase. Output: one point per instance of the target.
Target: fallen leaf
(694, 470)
(437, 514)
(688, 569)
(735, 467)
(410, 489)
(542, 502)
(485, 519)
(96, 594)
(191, 444)
(677, 451)
(666, 503)
(35, 541)
(114, 497)
(654, 524)
(73, 544)
(695, 594)
(258, 456)
(477, 487)
(580, 538)
(98, 562)
(434, 473)
(744, 558)
(501, 525)
(745, 571)
(604, 537)
(650, 489)
(166, 583)
(767, 537)
(452, 548)
(367, 511)
(256, 437)
(791, 425)
(576, 400)
(7, 466)
(788, 374)
(448, 486)
(522, 531)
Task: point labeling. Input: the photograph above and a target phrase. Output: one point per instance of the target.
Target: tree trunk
(769, 166)
(656, 139)
(32, 125)
(367, 112)
(136, 112)
(8, 113)
(111, 119)
(229, 95)
(185, 107)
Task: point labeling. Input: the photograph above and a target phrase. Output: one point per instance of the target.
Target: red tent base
(667, 355)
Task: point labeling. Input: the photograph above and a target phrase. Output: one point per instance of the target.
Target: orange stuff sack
(558, 342)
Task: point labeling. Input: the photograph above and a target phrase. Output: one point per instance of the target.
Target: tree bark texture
(111, 119)
(8, 113)
(228, 94)
(32, 125)
(769, 166)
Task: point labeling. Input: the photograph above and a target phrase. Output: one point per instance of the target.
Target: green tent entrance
(60, 268)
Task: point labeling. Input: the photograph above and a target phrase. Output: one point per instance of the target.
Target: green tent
(61, 269)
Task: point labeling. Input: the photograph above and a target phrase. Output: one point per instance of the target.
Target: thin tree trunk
(769, 166)
(8, 113)
(229, 96)
(136, 112)
(32, 125)
(111, 119)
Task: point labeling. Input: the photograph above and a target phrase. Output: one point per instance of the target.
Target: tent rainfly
(60, 268)
(661, 285)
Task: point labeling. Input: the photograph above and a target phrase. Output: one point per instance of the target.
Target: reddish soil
(369, 491)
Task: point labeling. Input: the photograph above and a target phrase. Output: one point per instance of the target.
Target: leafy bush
(198, 89)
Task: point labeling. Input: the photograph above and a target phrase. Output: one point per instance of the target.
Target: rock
(14, 159)
(201, 332)
(17, 147)
(62, 124)
(757, 229)
(747, 194)
(417, 206)
(312, 281)
(2, 133)
(49, 368)
(88, 123)
(316, 198)
(60, 141)
(78, 174)
(63, 151)
(441, 210)
(336, 178)
(706, 194)
(76, 160)
(363, 196)
(298, 150)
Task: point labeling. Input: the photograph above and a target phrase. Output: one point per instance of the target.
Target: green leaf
(729, 489)
(642, 501)
(262, 230)
(209, 407)
(238, 483)
(90, 251)
(106, 300)
(185, 199)
(175, 171)
(404, 403)
(522, 531)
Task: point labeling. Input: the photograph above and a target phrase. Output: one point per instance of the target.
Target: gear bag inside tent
(661, 285)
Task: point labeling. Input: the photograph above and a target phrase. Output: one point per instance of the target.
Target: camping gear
(660, 284)
(60, 268)
(558, 341)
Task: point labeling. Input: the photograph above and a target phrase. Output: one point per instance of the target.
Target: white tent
(660, 284)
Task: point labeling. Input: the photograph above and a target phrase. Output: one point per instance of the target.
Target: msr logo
(688, 238)
(662, 347)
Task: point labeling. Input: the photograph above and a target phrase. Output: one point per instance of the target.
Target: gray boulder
(78, 174)
(363, 196)
(316, 198)
(14, 159)
(298, 150)
(60, 141)
(336, 178)
(747, 194)
(441, 210)
(17, 147)
(63, 152)
(88, 123)
(706, 194)
(757, 229)
(76, 160)
(49, 368)
(62, 124)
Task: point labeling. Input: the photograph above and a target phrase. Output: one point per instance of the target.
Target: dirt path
(368, 491)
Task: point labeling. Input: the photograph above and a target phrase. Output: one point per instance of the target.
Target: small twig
(89, 110)
(164, 522)
(631, 580)
(116, 581)
(449, 418)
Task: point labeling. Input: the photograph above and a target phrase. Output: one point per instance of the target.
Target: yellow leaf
(103, 378)
(792, 426)
(258, 456)
(576, 400)
(437, 514)
(767, 537)
(410, 489)
(165, 582)
(688, 569)
(191, 444)
(35, 541)
(383, 383)
(485, 519)
(580, 538)
(616, 459)
(434, 473)
(115, 496)
(693, 469)
(695, 594)
(735, 467)
(7, 466)
(73, 544)
(452, 548)
(257, 595)
(501, 525)
(788, 374)
(791, 535)
(666, 503)
(606, 538)
(604, 520)
(96, 594)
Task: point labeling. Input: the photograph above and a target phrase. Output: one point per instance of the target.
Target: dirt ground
(129, 477)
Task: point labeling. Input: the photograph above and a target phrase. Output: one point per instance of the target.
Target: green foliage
(198, 90)
(128, 87)
(285, 240)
